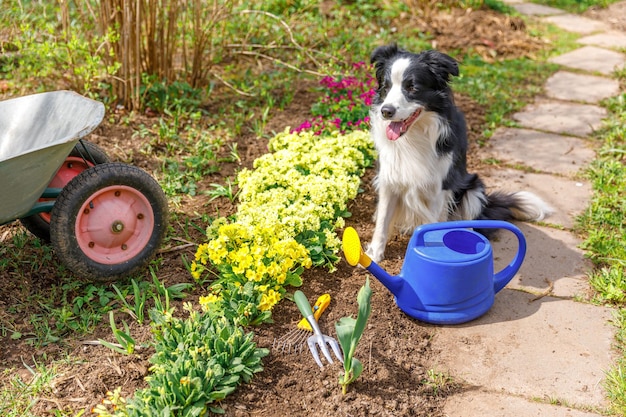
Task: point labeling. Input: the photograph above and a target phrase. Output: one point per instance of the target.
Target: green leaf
(363, 298)
(356, 369)
(345, 330)
(196, 409)
(293, 280)
(112, 347)
(349, 332)
(217, 410)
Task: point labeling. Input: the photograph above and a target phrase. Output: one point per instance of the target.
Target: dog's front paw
(375, 252)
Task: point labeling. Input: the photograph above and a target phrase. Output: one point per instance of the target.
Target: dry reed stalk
(159, 20)
(147, 39)
(65, 17)
(207, 27)
(121, 17)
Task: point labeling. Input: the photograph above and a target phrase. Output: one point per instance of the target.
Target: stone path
(539, 351)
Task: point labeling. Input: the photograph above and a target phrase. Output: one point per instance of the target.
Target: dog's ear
(383, 53)
(441, 65)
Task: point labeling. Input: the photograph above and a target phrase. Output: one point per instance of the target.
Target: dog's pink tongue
(394, 130)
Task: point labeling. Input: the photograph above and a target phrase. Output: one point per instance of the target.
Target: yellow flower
(196, 270)
(268, 300)
(252, 275)
(201, 251)
(206, 301)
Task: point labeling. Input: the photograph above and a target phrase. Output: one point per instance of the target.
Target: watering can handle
(501, 278)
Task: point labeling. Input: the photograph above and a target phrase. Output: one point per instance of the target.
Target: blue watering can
(447, 276)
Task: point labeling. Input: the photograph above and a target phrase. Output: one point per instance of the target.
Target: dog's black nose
(388, 111)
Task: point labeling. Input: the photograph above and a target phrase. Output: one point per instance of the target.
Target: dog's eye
(411, 88)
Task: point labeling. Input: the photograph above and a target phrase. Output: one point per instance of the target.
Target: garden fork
(318, 338)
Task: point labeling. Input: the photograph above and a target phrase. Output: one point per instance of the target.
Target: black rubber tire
(38, 224)
(82, 189)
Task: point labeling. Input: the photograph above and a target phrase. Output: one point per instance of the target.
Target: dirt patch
(484, 32)
(395, 349)
(613, 15)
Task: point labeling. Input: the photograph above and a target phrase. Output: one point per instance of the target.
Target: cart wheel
(39, 224)
(109, 221)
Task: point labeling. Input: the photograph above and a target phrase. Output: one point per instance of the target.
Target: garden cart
(105, 220)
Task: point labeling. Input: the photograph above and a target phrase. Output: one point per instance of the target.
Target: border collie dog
(421, 139)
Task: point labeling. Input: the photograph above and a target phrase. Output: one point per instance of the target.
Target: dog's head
(409, 84)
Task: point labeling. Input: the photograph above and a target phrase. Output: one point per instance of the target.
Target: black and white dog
(421, 139)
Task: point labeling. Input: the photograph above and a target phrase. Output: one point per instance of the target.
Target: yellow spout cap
(351, 245)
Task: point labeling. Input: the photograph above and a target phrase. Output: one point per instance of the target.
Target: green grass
(19, 395)
(604, 219)
(575, 6)
(605, 235)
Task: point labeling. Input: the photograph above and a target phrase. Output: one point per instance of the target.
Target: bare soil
(614, 15)
(395, 349)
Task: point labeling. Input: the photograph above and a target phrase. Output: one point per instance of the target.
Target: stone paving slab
(568, 197)
(576, 24)
(553, 265)
(570, 86)
(484, 404)
(562, 117)
(532, 9)
(610, 39)
(541, 151)
(535, 348)
(591, 58)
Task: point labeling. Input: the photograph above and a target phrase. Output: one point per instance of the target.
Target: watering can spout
(393, 283)
(355, 255)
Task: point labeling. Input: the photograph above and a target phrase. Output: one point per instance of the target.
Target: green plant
(174, 291)
(349, 332)
(233, 154)
(437, 381)
(246, 304)
(159, 95)
(140, 294)
(191, 154)
(69, 307)
(48, 49)
(615, 381)
(219, 190)
(198, 361)
(126, 344)
(345, 105)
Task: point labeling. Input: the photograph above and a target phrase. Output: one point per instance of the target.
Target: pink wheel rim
(114, 225)
(72, 166)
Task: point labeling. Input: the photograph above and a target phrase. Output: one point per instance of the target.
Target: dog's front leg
(385, 213)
